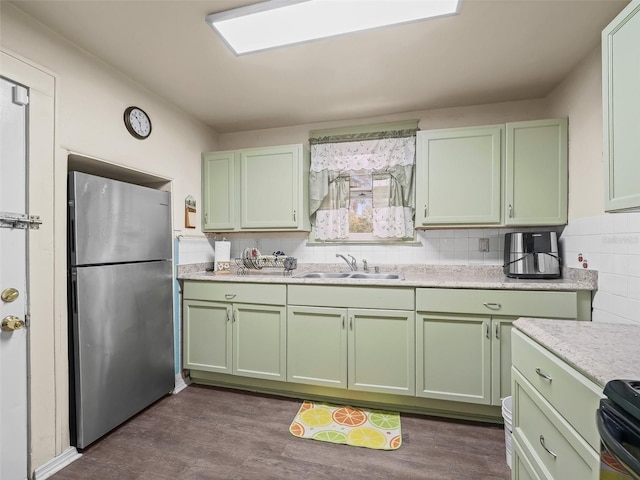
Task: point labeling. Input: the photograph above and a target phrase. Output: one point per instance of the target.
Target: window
(361, 186)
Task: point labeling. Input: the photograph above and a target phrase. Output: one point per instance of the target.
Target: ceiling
(493, 51)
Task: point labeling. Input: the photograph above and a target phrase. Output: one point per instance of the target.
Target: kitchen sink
(354, 275)
(381, 276)
(323, 275)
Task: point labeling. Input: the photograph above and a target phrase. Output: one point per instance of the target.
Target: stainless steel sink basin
(381, 276)
(354, 275)
(323, 275)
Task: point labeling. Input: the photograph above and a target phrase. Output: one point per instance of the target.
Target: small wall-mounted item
(189, 212)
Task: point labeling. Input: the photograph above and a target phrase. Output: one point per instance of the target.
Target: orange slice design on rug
(316, 417)
(296, 429)
(366, 437)
(306, 405)
(349, 416)
(395, 442)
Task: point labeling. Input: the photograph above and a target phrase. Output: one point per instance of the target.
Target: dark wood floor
(210, 433)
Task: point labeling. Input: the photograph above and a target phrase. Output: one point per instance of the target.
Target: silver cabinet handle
(229, 296)
(206, 218)
(351, 322)
(343, 320)
(544, 375)
(510, 211)
(487, 330)
(425, 211)
(235, 314)
(228, 314)
(492, 306)
(294, 215)
(497, 331)
(546, 449)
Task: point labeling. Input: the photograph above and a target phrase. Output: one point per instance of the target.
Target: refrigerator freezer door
(122, 337)
(114, 222)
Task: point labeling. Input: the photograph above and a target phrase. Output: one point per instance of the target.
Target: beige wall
(90, 98)
(428, 119)
(579, 97)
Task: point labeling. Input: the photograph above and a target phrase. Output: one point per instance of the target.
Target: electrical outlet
(483, 245)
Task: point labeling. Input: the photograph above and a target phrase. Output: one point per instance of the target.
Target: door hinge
(27, 320)
(19, 220)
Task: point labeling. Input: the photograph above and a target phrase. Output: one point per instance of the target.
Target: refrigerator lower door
(122, 344)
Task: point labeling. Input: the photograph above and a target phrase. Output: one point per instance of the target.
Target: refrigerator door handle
(74, 294)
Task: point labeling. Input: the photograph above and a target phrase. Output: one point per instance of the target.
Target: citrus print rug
(358, 427)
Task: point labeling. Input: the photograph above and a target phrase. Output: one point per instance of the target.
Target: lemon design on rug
(358, 427)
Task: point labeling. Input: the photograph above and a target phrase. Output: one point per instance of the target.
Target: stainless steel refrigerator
(120, 302)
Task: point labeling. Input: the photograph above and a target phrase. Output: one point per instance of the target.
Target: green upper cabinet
(273, 186)
(536, 173)
(256, 189)
(514, 174)
(458, 176)
(220, 190)
(621, 97)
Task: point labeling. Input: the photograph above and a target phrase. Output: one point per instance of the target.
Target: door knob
(9, 294)
(11, 323)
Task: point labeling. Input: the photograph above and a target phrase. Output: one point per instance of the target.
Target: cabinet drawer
(517, 303)
(352, 297)
(574, 396)
(559, 451)
(236, 292)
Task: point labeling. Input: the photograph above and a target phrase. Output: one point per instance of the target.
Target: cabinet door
(271, 180)
(522, 467)
(220, 191)
(536, 173)
(317, 346)
(207, 336)
(500, 359)
(454, 357)
(620, 80)
(382, 351)
(259, 341)
(458, 176)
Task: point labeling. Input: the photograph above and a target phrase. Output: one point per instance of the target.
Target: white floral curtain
(391, 161)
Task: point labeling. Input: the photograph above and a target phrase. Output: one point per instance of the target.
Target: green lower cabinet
(464, 358)
(317, 346)
(382, 351)
(207, 336)
(359, 349)
(454, 357)
(239, 339)
(521, 466)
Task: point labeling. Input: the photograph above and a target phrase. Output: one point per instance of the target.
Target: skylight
(275, 23)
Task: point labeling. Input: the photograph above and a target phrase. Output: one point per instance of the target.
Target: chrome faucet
(353, 265)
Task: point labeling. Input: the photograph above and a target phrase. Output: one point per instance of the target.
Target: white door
(13, 282)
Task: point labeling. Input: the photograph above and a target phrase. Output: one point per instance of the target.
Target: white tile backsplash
(611, 244)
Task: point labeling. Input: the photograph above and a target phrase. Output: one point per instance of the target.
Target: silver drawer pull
(546, 449)
(492, 306)
(229, 296)
(543, 375)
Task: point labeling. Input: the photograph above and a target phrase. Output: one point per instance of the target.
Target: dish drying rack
(248, 263)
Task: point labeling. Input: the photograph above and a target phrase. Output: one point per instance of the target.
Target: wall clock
(137, 122)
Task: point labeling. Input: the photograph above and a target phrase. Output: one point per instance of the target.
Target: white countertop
(601, 351)
(440, 276)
